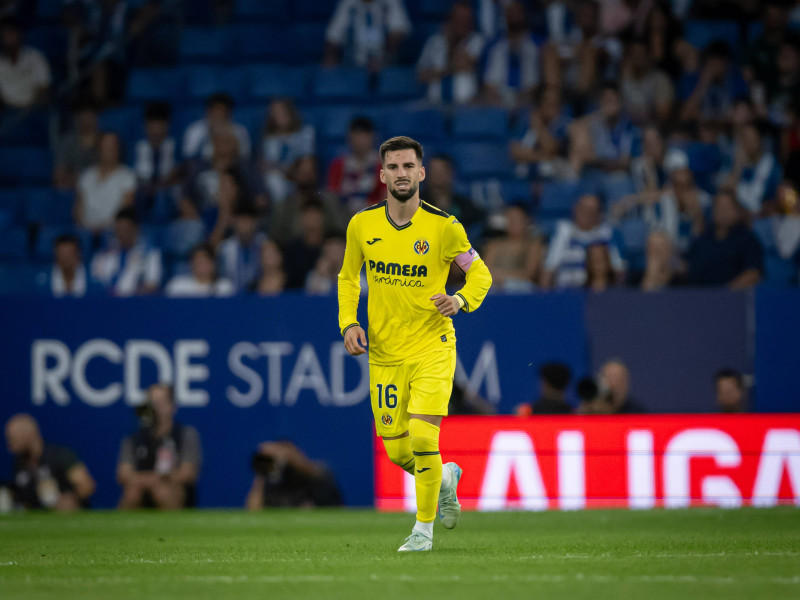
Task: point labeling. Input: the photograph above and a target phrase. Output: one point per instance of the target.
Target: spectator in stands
(710, 94)
(301, 254)
(156, 28)
(366, 33)
(285, 219)
(730, 391)
(239, 255)
(24, 72)
(615, 390)
(786, 225)
(68, 277)
(105, 188)
(272, 278)
(727, 253)
(203, 281)
(539, 150)
(158, 465)
(647, 170)
(285, 476)
(612, 133)
(647, 92)
(663, 34)
(155, 160)
(355, 176)
(130, 265)
(565, 264)
(438, 189)
(600, 274)
(762, 53)
(76, 151)
(323, 278)
(554, 378)
(513, 70)
(756, 172)
(184, 233)
(662, 268)
(286, 139)
(784, 86)
(197, 140)
(582, 56)
(23, 11)
(449, 61)
(46, 476)
(515, 258)
(683, 208)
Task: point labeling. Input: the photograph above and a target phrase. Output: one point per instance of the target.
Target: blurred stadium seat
(313, 10)
(616, 186)
(206, 44)
(48, 206)
(482, 160)
(260, 10)
(480, 123)
(11, 202)
(268, 81)
(205, 80)
(26, 165)
(261, 42)
(340, 85)
(427, 125)
(145, 85)
(14, 244)
(19, 279)
(399, 83)
(557, 198)
(700, 33)
(307, 44)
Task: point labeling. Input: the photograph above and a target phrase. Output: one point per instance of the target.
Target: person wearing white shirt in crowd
(565, 265)
(202, 282)
(366, 32)
(512, 67)
(756, 172)
(24, 72)
(219, 115)
(130, 266)
(286, 139)
(240, 254)
(104, 188)
(449, 60)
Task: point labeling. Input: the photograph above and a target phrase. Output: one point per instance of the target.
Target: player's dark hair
(158, 111)
(220, 98)
(728, 373)
(361, 123)
(556, 374)
(127, 214)
(67, 238)
(401, 143)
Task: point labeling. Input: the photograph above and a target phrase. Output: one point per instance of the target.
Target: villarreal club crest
(421, 246)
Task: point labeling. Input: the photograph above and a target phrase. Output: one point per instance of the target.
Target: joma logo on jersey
(398, 269)
(421, 246)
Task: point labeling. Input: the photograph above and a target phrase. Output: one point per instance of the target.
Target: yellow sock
(399, 452)
(428, 467)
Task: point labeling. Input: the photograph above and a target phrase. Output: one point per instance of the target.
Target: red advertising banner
(571, 463)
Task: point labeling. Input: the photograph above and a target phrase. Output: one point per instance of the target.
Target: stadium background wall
(248, 369)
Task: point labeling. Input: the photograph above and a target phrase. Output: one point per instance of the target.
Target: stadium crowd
(647, 143)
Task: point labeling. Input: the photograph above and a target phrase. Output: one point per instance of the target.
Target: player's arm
(456, 248)
(349, 291)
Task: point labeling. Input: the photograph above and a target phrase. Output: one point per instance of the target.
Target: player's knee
(399, 451)
(424, 436)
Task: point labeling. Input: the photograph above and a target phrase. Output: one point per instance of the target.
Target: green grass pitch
(686, 554)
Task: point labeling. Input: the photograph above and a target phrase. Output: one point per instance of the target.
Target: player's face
(401, 173)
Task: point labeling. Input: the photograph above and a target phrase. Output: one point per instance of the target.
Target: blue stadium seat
(269, 81)
(14, 244)
(517, 191)
(264, 10)
(204, 80)
(145, 85)
(479, 123)
(700, 33)
(26, 165)
(482, 160)
(43, 248)
(427, 125)
(127, 121)
(435, 9)
(49, 10)
(705, 160)
(21, 279)
(48, 206)
(206, 44)
(261, 42)
(399, 83)
(307, 43)
(342, 84)
(183, 117)
(763, 228)
(11, 202)
(25, 129)
(50, 39)
(616, 186)
(199, 12)
(333, 123)
(411, 47)
(557, 198)
(252, 118)
(634, 234)
(779, 271)
(313, 10)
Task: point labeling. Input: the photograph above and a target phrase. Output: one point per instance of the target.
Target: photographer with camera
(159, 464)
(284, 476)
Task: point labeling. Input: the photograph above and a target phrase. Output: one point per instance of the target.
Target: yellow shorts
(421, 385)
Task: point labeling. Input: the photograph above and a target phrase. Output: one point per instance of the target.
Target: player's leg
(389, 399)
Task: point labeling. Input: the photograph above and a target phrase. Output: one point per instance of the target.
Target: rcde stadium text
(255, 372)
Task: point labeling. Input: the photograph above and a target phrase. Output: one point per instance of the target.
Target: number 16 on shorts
(391, 416)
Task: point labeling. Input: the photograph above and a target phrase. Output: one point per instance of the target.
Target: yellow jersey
(405, 266)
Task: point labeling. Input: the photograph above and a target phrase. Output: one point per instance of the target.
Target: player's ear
(422, 173)
(383, 177)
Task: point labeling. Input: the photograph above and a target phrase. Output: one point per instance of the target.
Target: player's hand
(355, 341)
(447, 305)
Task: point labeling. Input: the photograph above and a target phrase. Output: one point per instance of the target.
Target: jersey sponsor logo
(421, 246)
(398, 269)
(386, 419)
(373, 240)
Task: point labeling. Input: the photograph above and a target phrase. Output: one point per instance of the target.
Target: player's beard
(403, 196)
